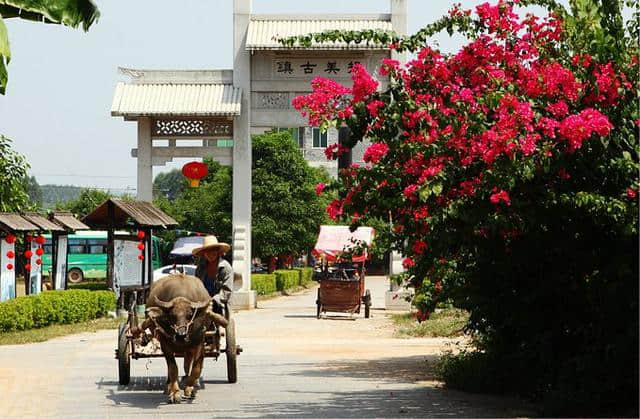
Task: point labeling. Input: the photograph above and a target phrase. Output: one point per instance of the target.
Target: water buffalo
(178, 314)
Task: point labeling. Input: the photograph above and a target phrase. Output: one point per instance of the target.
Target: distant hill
(54, 194)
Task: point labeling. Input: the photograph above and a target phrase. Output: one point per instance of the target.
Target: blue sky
(61, 80)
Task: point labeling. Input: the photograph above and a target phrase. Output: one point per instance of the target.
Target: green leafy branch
(72, 13)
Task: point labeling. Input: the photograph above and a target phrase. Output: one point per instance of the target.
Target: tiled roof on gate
(172, 99)
(264, 30)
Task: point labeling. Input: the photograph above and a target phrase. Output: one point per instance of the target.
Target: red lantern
(39, 251)
(141, 256)
(28, 238)
(140, 246)
(28, 254)
(39, 261)
(40, 239)
(10, 254)
(10, 239)
(27, 267)
(9, 266)
(194, 171)
(141, 234)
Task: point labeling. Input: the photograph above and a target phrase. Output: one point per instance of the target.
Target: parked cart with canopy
(341, 269)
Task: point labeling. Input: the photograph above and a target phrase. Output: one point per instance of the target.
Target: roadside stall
(59, 246)
(13, 225)
(31, 226)
(129, 256)
(340, 269)
(37, 249)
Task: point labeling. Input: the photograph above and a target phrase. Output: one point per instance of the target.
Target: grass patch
(446, 323)
(53, 331)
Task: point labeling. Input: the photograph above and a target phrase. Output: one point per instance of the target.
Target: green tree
(53, 195)
(13, 169)
(88, 200)
(33, 190)
(206, 208)
(286, 212)
(71, 13)
(170, 184)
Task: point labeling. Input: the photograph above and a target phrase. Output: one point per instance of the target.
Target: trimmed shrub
(286, 279)
(54, 307)
(263, 284)
(306, 276)
(92, 286)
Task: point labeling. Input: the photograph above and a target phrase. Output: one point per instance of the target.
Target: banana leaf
(73, 13)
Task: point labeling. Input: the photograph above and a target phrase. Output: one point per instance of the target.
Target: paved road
(293, 366)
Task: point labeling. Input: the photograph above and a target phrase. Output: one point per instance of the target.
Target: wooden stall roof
(15, 222)
(42, 222)
(68, 221)
(140, 213)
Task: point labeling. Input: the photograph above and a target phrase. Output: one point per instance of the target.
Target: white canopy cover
(334, 240)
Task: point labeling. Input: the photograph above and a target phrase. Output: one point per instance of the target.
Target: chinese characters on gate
(304, 67)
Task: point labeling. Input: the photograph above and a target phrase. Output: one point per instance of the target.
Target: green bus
(87, 255)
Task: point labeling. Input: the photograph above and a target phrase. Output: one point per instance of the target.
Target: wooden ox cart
(340, 271)
(146, 347)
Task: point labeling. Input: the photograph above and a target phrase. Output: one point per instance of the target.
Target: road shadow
(146, 392)
(408, 369)
(396, 393)
(417, 402)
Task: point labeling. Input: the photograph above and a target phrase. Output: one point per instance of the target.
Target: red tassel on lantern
(39, 261)
(141, 256)
(28, 254)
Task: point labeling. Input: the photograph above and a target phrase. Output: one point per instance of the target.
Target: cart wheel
(319, 306)
(124, 356)
(367, 304)
(231, 351)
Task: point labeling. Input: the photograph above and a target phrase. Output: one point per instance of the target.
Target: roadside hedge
(286, 279)
(306, 276)
(54, 307)
(263, 284)
(92, 286)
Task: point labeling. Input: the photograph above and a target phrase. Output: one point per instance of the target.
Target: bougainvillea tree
(509, 172)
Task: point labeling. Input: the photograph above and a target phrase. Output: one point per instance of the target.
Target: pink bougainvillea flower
(374, 107)
(409, 192)
(334, 209)
(363, 84)
(632, 193)
(500, 195)
(419, 247)
(408, 263)
(375, 152)
(320, 188)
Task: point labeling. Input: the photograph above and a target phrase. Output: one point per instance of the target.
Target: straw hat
(211, 242)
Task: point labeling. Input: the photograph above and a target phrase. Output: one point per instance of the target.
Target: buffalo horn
(202, 304)
(164, 304)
